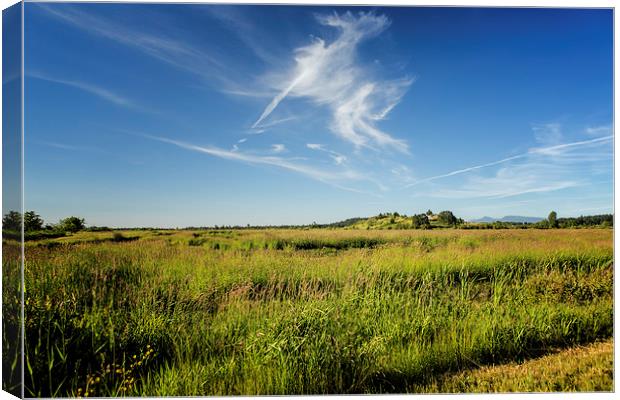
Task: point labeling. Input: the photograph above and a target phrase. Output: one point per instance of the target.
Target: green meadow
(315, 311)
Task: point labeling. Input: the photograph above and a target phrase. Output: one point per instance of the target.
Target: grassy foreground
(589, 368)
(307, 311)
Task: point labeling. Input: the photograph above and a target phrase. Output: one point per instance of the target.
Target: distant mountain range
(509, 218)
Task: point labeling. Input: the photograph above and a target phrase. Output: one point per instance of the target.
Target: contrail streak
(540, 150)
(276, 100)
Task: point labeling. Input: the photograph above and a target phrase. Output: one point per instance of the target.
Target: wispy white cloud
(507, 183)
(464, 170)
(548, 134)
(562, 148)
(263, 127)
(556, 150)
(277, 121)
(329, 74)
(98, 91)
(173, 51)
(62, 146)
(276, 100)
(245, 92)
(402, 173)
(337, 157)
(278, 148)
(85, 150)
(599, 130)
(315, 146)
(247, 31)
(336, 179)
(541, 169)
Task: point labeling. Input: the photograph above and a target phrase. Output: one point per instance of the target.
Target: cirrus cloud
(329, 74)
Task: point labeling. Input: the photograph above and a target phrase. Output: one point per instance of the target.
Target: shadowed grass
(583, 368)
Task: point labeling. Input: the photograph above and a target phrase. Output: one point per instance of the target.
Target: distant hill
(509, 218)
(385, 221)
(381, 221)
(345, 223)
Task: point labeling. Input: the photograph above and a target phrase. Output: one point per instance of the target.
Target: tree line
(552, 222)
(430, 220)
(36, 228)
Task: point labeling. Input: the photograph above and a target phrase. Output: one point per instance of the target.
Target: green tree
(32, 222)
(553, 219)
(429, 213)
(420, 221)
(72, 224)
(446, 217)
(542, 224)
(12, 221)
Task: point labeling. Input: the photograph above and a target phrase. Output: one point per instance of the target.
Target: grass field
(316, 311)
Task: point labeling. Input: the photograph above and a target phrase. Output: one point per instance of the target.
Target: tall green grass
(11, 318)
(326, 311)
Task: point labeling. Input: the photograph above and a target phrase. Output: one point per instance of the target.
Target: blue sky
(179, 115)
(11, 109)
